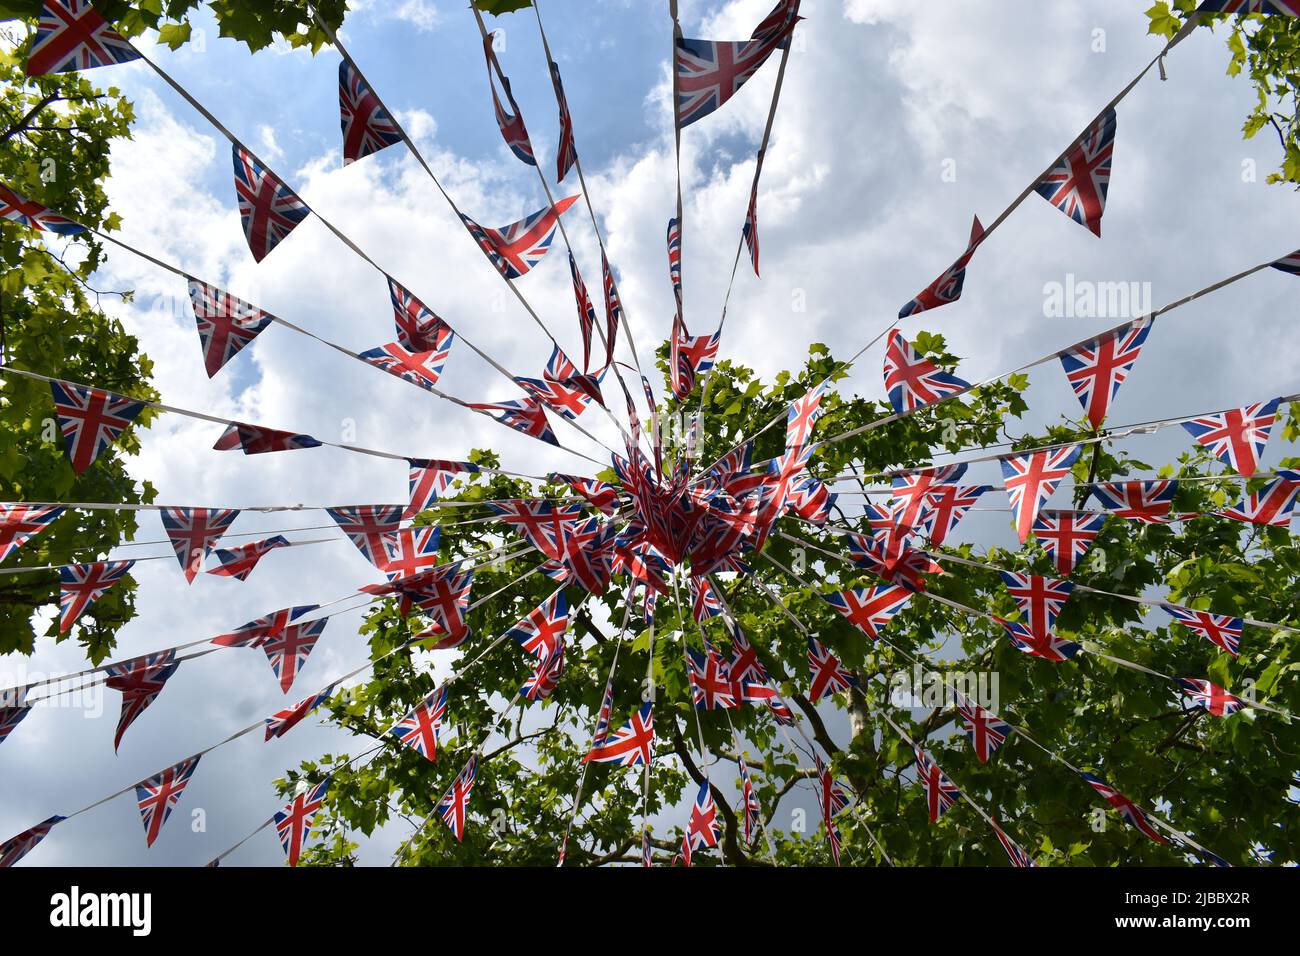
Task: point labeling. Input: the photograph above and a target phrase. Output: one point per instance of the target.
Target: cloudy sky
(898, 121)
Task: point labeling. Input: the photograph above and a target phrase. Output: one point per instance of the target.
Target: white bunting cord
(586, 199)
(1179, 834)
(189, 98)
(975, 612)
(677, 144)
(490, 554)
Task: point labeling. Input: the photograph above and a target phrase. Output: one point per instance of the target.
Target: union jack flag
(1067, 536)
(802, 417)
(226, 324)
(158, 795)
(945, 507)
(750, 230)
(15, 848)
(629, 745)
(288, 649)
(295, 819)
(712, 687)
(445, 601)
(709, 72)
(1039, 599)
(1273, 504)
(1145, 501)
(454, 805)
(870, 609)
(1030, 480)
(827, 675)
(1286, 7)
(1210, 696)
(238, 563)
(810, 499)
(567, 152)
(940, 792)
(1017, 856)
(691, 356)
(914, 381)
(282, 721)
(1222, 630)
(1237, 436)
(419, 368)
(602, 717)
(702, 828)
(20, 523)
(369, 527)
(256, 440)
(1133, 814)
(541, 522)
(986, 731)
(704, 600)
(367, 127)
(523, 415)
(749, 806)
(270, 210)
(586, 311)
(1047, 646)
(141, 681)
(411, 552)
(419, 328)
(1077, 185)
(541, 633)
(517, 248)
(430, 477)
(256, 631)
(510, 122)
(540, 684)
(71, 35)
(193, 532)
(675, 260)
(601, 494)
(420, 729)
(833, 799)
(90, 420)
(81, 585)
(16, 207)
(561, 388)
(11, 714)
(744, 664)
(613, 307)
(947, 288)
(1098, 368)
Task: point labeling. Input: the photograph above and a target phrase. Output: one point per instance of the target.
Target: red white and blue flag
(709, 72)
(369, 527)
(913, 381)
(1145, 501)
(600, 494)
(986, 731)
(238, 563)
(287, 650)
(81, 585)
(613, 307)
(294, 820)
(517, 248)
(15, 848)
(282, 721)
(367, 127)
(947, 288)
(712, 687)
(803, 416)
(566, 153)
(141, 681)
(1067, 536)
(523, 415)
(419, 328)
(20, 523)
(1097, 369)
(702, 828)
(454, 805)
(1221, 630)
(1288, 8)
(675, 260)
(1211, 697)
(420, 729)
(1030, 480)
(419, 368)
(750, 230)
(1039, 599)
(510, 122)
(749, 807)
(71, 35)
(226, 324)
(430, 477)
(1273, 504)
(945, 507)
(1047, 646)
(629, 745)
(1237, 436)
(13, 708)
(411, 552)
(541, 633)
(1018, 857)
(158, 796)
(691, 355)
(16, 207)
(269, 209)
(256, 631)
(257, 440)
(90, 420)
(826, 674)
(940, 792)
(193, 533)
(1133, 814)
(704, 600)
(870, 609)
(744, 664)
(1078, 183)
(586, 312)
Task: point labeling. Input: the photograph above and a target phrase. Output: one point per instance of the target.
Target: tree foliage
(1224, 780)
(1266, 49)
